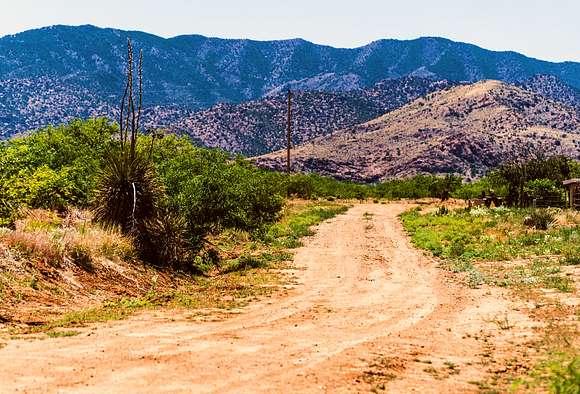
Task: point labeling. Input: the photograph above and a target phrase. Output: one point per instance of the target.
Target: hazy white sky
(548, 29)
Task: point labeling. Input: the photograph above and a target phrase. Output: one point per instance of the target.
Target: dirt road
(369, 311)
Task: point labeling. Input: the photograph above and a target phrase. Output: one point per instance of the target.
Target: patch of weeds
(565, 378)
(287, 233)
(81, 256)
(483, 387)
(367, 216)
(475, 279)
(559, 374)
(244, 263)
(493, 235)
(381, 371)
(571, 259)
(545, 273)
(32, 283)
(433, 372)
(452, 367)
(560, 283)
(62, 334)
(83, 317)
(503, 322)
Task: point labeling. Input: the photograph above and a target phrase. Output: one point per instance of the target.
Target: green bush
(53, 167)
(541, 189)
(214, 193)
(565, 378)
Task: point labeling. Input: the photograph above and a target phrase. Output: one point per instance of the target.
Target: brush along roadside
(60, 273)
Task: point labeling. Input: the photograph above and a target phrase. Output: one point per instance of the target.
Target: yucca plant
(540, 219)
(130, 196)
(128, 193)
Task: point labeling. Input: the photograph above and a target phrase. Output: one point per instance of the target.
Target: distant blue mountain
(196, 71)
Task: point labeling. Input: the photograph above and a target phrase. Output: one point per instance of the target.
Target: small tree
(515, 176)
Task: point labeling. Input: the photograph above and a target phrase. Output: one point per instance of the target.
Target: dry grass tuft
(44, 236)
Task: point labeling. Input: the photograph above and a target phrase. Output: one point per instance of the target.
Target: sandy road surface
(366, 301)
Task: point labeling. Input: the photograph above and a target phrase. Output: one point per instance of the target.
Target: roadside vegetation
(534, 253)
(44, 247)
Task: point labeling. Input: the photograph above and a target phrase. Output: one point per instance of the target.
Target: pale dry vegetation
(44, 237)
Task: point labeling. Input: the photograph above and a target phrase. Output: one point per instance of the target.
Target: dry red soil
(368, 312)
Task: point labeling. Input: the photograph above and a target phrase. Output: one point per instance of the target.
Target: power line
(289, 131)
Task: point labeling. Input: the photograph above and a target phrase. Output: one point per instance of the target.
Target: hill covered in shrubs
(467, 130)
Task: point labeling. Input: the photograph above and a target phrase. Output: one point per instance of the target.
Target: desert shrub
(167, 233)
(540, 219)
(213, 192)
(419, 186)
(127, 193)
(562, 376)
(300, 186)
(475, 189)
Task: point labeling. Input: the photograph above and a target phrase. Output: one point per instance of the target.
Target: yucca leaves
(128, 193)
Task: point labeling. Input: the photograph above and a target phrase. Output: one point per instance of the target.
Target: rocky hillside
(32, 103)
(195, 72)
(258, 127)
(554, 88)
(466, 130)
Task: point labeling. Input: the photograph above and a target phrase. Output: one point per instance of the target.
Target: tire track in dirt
(363, 294)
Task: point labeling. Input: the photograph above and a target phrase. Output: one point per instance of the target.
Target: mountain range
(65, 68)
(257, 127)
(389, 108)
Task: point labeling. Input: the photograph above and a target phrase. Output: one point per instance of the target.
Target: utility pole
(289, 131)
